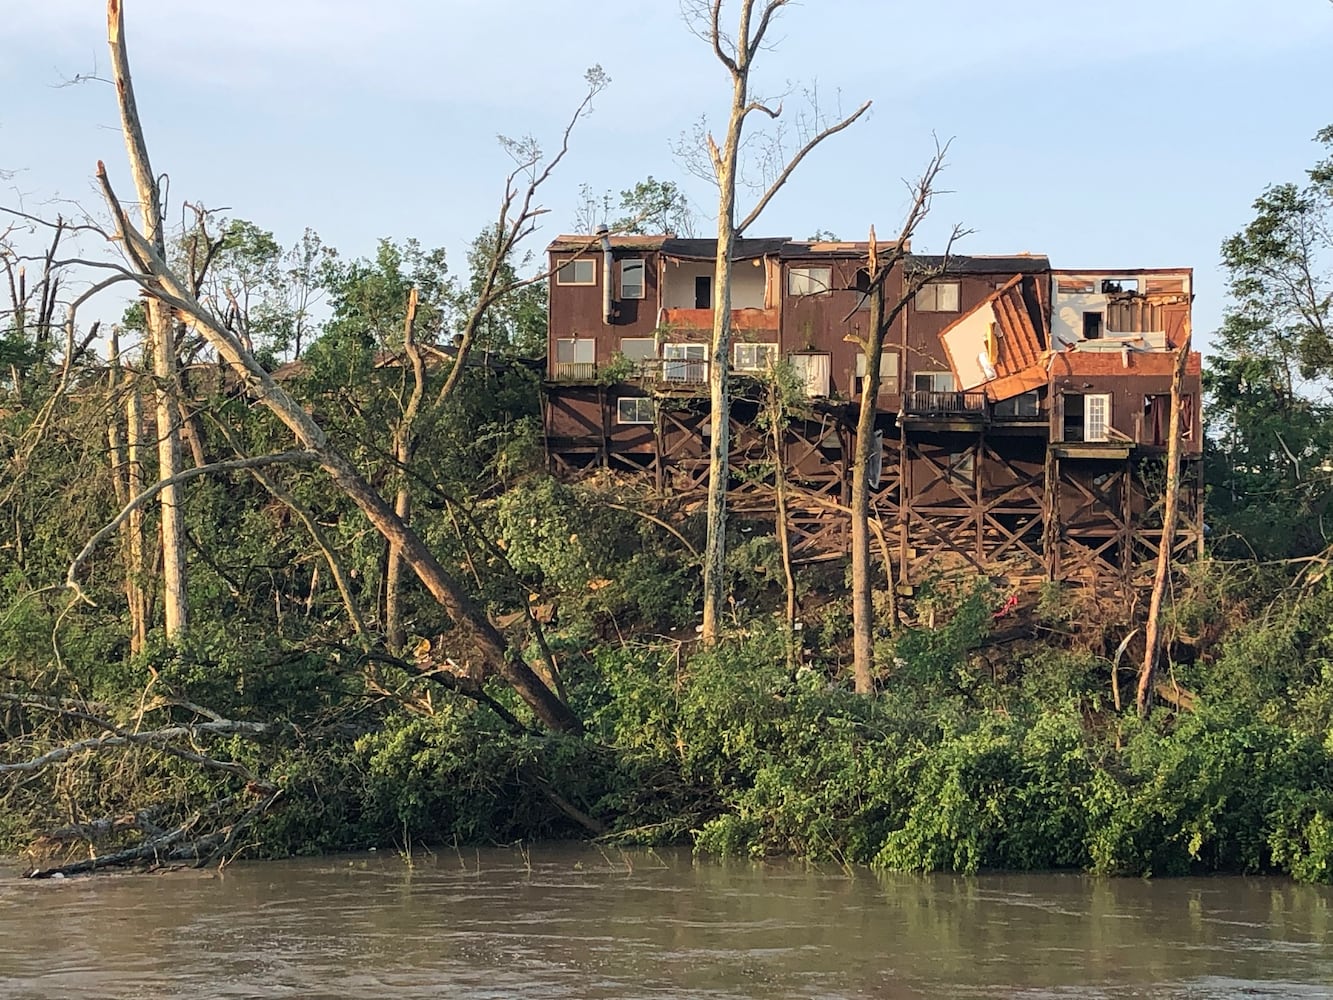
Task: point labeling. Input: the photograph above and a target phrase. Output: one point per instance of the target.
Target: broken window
(813, 371)
(933, 382)
(1092, 326)
(962, 468)
(754, 357)
(938, 296)
(1120, 286)
(576, 272)
(631, 278)
(685, 362)
(1027, 404)
(809, 280)
(634, 410)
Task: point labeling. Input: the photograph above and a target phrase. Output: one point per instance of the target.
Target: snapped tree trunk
(1170, 513)
(161, 336)
(124, 444)
(737, 54)
(863, 609)
(719, 364)
(777, 428)
(402, 455)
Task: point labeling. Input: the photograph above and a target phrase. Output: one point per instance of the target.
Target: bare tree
(879, 267)
(486, 650)
(737, 55)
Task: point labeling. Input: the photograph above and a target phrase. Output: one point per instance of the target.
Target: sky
(1129, 135)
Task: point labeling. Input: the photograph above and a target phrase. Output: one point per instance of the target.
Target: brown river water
(572, 922)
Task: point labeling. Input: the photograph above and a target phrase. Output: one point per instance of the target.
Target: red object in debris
(1009, 605)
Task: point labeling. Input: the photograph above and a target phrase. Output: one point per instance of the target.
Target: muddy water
(572, 923)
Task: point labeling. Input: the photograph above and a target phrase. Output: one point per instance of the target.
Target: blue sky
(1134, 134)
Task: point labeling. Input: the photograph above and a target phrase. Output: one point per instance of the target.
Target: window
(1092, 326)
(809, 280)
(888, 371)
(634, 410)
(631, 278)
(938, 296)
(813, 370)
(638, 349)
(754, 357)
(575, 358)
(576, 272)
(962, 468)
(1027, 404)
(933, 381)
(685, 362)
(1120, 286)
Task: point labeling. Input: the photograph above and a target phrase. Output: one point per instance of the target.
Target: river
(572, 922)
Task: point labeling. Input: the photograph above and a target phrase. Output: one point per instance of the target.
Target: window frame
(807, 273)
(575, 342)
(953, 382)
(635, 419)
(770, 349)
(963, 468)
(649, 342)
(919, 299)
(888, 383)
(641, 266)
(561, 266)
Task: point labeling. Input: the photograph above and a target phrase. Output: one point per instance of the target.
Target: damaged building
(1022, 410)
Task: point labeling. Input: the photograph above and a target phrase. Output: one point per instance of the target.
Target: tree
(650, 206)
(148, 267)
(162, 339)
(879, 267)
(1270, 377)
(737, 55)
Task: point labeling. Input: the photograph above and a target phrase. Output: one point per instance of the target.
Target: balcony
(968, 405)
(574, 371)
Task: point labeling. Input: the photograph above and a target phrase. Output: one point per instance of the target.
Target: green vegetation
(288, 720)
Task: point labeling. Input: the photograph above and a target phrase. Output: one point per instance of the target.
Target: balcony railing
(673, 371)
(937, 404)
(574, 371)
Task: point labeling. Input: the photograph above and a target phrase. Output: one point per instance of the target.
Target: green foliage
(1270, 432)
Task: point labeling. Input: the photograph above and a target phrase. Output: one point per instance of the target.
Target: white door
(1096, 416)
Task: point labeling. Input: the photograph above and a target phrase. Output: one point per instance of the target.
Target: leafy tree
(649, 207)
(1269, 382)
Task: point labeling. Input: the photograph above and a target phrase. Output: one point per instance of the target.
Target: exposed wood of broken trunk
(1170, 513)
(161, 333)
(403, 449)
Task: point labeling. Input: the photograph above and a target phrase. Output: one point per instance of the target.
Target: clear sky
(1127, 134)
